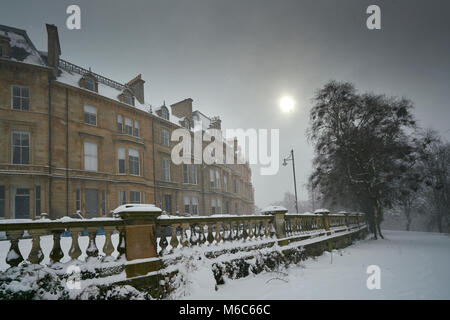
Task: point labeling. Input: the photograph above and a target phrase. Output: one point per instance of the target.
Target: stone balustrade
(141, 232)
(57, 230)
(178, 232)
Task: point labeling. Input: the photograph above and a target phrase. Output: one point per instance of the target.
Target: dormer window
(89, 82)
(4, 46)
(164, 113)
(127, 97)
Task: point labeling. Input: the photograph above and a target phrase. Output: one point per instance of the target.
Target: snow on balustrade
(52, 242)
(179, 232)
(102, 240)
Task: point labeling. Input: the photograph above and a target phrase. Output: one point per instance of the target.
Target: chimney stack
(215, 123)
(182, 109)
(137, 86)
(53, 48)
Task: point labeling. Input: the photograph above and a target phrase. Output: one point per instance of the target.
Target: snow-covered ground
(414, 265)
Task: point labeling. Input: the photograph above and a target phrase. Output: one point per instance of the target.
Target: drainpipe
(50, 147)
(154, 160)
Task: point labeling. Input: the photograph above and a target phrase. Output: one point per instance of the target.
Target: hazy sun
(286, 104)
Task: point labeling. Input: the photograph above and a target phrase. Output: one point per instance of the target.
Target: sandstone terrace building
(72, 140)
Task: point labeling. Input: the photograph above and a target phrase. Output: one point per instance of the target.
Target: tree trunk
(378, 220)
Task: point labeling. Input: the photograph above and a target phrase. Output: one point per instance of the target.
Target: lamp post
(285, 160)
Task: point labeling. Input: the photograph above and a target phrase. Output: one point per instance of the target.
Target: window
(211, 178)
(2, 201)
(165, 137)
(136, 128)
(90, 115)
(135, 197)
(90, 156)
(127, 98)
(185, 173)
(213, 206)
(195, 206)
(104, 202)
(20, 98)
(133, 160)
(89, 83)
(217, 179)
(20, 147)
(187, 124)
(1, 51)
(193, 174)
(128, 126)
(120, 123)
(22, 203)
(164, 113)
(187, 205)
(235, 185)
(37, 200)
(122, 197)
(225, 182)
(166, 169)
(78, 200)
(121, 158)
(219, 206)
(236, 211)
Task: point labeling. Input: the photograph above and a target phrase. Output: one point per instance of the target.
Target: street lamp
(285, 160)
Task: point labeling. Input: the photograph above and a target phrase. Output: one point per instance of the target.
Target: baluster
(234, 230)
(163, 240)
(194, 239)
(121, 247)
(75, 251)
(92, 250)
(225, 234)
(244, 234)
(272, 229)
(217, 237)
(14, 257)
(108, 247)
(266, 229)
(210, 236)
(260, 228)
(202, 238)
(56, 254)
(184, 238)
(36, 255)
(174, 240)
(296, 221)
(250, 229)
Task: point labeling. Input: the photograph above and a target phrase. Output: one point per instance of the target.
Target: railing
(78, 231)
(187, 232)
(142, 234)
(303, 223)
(68, 66)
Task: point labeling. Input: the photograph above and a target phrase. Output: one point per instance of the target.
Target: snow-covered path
(414, 265)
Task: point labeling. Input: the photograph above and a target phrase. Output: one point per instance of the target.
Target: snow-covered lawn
(414, 265)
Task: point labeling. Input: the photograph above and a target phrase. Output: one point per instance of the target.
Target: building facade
(72, 140)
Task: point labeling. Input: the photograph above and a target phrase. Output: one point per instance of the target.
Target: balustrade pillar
(140, 233)
(36, 255)
(14, 257)
(75, 251)
(56, 254)
(108, 247)
(140, 239)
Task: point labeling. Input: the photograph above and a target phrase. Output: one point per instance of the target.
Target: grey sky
(237, 58)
